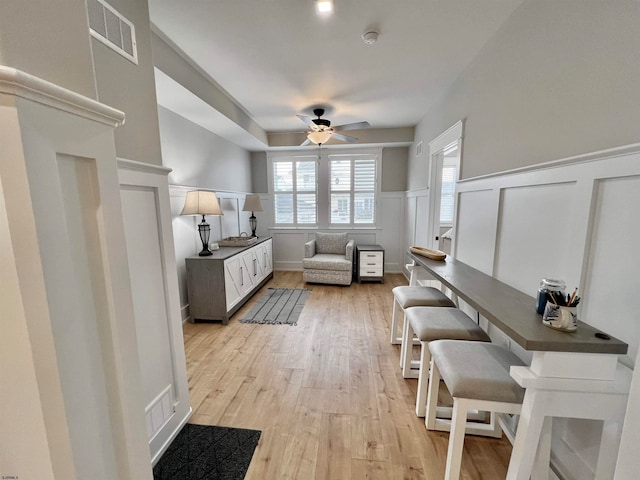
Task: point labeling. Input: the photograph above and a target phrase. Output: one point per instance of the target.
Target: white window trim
(323, 205)
(273, 157)
(451, 163)
(376, 192)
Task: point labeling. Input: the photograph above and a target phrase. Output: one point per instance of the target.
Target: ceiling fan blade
(305, 143)
(344, 138)
(310, 123)
(352, 126)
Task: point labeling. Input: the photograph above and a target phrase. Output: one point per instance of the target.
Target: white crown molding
(452, 134)
(582, 158)
(20, 84)
(125, 164)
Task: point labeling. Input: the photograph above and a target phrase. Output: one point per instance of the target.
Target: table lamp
(252, 204)
(202, 202)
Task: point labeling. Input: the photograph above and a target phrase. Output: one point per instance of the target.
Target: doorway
(445, 157)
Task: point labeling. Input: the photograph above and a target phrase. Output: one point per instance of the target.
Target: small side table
(369, 263)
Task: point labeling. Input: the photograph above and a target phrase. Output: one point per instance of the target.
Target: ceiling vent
(108, 26)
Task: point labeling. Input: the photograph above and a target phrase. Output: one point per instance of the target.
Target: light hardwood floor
(327, 394)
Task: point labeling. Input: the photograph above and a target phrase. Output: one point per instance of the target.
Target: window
(294, 191)
(449, 175)
(352, 186)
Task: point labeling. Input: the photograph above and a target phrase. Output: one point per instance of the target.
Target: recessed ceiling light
(324, 6)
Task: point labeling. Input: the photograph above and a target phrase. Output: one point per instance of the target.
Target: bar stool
(477, 376)
(414, 296)
(429, 324)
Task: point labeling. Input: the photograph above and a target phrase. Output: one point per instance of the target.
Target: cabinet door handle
(241, 278)
(255, 269)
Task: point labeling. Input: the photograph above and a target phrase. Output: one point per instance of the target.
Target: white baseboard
(171, 437)
(185, 314)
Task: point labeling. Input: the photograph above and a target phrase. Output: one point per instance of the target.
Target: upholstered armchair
(328, 259)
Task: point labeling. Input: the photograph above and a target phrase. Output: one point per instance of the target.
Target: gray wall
(558, 79)
(259, 177)
(200, 158)
(394, 169)
(131, 88)
(49, 40)
(393, 176)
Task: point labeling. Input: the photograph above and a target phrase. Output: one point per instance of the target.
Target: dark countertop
(514, 312)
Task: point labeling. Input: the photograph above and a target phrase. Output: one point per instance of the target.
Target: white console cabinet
(220, 284)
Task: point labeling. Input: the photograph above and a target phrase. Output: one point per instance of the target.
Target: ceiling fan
(320, 129)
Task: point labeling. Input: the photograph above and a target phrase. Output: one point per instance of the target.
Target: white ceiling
(278, 58)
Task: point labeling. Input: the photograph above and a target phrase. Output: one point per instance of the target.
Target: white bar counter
(572, 375)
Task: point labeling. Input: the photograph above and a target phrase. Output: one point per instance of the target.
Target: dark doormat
(203, 452)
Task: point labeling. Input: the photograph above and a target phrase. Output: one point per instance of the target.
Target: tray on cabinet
(237, 241)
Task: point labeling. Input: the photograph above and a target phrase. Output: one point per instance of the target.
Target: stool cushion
(437, 323)
(421, 296)
(477, 370)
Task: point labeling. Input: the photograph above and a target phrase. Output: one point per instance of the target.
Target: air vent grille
(108, 26)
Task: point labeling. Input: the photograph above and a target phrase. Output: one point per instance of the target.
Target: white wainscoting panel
(69, 339)
(475, 237)
(416, 210)
(80, 329)
(288, 248)
(140, 216)
(231, 218)
(575, 219)
(391, 216)
(146, 210)
(534, 236)
(422, 221)
(613, 263)
(410, 221)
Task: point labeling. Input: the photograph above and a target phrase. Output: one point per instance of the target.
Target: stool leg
(403, 342)
(423, 379)
(432, 396)
(395, 340)
(407, 350)
(456, 439)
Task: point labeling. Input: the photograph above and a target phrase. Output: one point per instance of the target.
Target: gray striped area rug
(279, 306)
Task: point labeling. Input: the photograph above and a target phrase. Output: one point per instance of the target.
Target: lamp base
(253, 222)
(204, 231)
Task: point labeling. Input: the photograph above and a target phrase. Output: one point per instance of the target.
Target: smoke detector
(370, 38)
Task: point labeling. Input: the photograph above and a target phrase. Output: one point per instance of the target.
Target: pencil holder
(560, 318)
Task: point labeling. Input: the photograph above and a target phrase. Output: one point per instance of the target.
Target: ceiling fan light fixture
(324, 7)
(319, 137)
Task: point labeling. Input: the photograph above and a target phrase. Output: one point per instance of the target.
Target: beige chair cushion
(335, 243)
(421, 297)
(477, 370)
(437, 323)
(323, 261)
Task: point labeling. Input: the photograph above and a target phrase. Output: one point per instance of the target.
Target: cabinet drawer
(366, 271)
(367, 258)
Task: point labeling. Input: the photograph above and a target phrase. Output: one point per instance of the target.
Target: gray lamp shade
(201, 202)
(252, 203)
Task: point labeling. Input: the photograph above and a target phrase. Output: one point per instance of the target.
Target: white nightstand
(369, 263)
